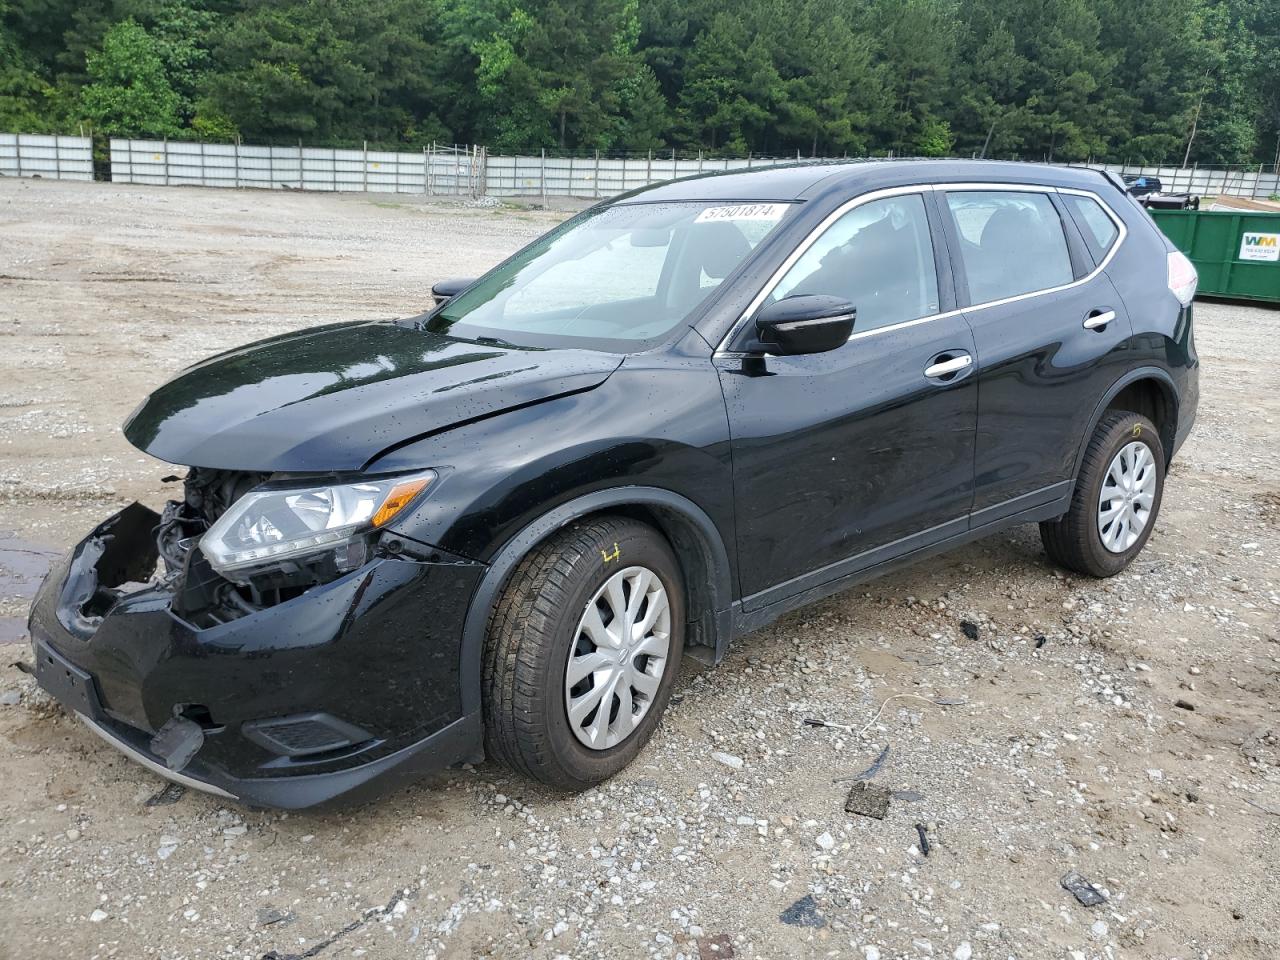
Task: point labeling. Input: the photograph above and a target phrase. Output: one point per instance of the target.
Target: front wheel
(582, 650)
(1116, 499)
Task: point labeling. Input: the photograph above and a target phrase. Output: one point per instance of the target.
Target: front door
(844, 458)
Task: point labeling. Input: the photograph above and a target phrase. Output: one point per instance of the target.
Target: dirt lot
(1078, 751)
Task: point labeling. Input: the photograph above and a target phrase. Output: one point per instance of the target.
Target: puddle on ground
(23, 565)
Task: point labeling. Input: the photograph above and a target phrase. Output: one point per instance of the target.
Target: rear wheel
(1116, 499)
(583, 648)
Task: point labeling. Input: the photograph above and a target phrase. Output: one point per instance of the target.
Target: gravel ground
(1124, 729)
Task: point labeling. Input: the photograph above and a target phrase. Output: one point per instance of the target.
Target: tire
(1076, 540)
(534, 627)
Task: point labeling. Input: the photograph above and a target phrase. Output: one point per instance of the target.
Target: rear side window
(1011, 243)
(879, 257)
(1099, 230)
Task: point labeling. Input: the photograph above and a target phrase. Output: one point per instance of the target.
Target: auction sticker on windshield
(743, 211)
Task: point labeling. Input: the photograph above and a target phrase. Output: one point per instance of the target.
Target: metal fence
(596, 177)
(445, 171)
(1256, 182)
(53, 156)
(455, 171)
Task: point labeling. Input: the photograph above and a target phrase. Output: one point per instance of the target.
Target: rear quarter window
(1099, 230)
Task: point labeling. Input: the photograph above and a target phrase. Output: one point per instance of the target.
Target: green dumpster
(1236, 252)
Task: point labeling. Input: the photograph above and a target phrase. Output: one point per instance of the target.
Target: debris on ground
(716, 947)
(1184, 705)
(937, 702)
(728, 759)
(172, 793)
(1267, 810)
(924, 838)
(1086, 891)
(868, 800)
(970, 629)
(870, 772)
(803, 913)
(268, 916)
(818, 722)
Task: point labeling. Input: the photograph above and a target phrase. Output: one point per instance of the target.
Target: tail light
(1182, 278)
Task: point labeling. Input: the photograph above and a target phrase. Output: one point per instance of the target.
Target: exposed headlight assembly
(273, 524)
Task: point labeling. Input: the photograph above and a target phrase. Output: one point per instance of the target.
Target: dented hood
(333, 398)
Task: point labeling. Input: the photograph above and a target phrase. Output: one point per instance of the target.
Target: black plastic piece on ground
(1083, 890)
(803, 913)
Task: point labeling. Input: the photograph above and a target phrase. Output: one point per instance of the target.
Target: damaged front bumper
(350, 684)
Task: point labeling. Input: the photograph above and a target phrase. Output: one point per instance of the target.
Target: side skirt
(1053, 502)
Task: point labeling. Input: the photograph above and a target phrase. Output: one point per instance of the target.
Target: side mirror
(446, 290)
(808, 323)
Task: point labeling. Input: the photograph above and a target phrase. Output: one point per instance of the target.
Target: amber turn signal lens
(401, 496)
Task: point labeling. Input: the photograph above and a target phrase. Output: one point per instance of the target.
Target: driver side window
(879, 257)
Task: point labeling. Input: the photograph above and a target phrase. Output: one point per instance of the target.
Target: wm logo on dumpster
(1260, 246)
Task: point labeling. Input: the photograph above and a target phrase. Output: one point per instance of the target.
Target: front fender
(663, 426)
(654, 436)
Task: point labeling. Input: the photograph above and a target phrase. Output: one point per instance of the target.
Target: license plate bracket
(74, 688)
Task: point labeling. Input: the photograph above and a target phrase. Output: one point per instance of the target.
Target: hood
(333, 398)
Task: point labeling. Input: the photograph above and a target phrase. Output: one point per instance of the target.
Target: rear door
(845, 458)
(1046, 322)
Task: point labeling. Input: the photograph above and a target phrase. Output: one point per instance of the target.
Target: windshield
(615, 278)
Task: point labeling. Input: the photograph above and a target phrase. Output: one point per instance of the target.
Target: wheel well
(1154, 400)
(697, 562)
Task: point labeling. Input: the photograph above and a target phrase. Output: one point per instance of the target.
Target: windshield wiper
(497, 342)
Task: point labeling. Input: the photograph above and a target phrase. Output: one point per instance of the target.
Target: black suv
(497, 527)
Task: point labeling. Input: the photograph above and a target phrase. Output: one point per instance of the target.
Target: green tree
(21, 90)
(731, 86)
(328, 71)
(1149, 80)
(646, 119)
(917, 56)
(128, 94)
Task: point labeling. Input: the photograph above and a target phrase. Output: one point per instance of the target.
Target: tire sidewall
(636, 546)
(1121, 434)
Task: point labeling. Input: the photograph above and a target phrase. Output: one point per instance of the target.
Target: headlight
(267, 525)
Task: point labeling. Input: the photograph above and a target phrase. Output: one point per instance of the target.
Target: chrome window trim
(967, 187)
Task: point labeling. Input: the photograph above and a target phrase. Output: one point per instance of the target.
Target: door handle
(1098, 319)
(944, 368)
